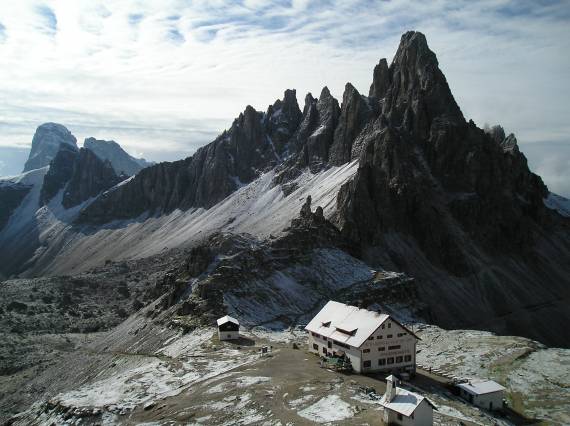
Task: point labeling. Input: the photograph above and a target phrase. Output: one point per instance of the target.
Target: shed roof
(346, 324)
(226, 319)
(405, 402)
(481, 387)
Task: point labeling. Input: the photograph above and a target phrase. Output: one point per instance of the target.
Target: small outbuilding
(403, 407)
(228, 328)
(483, 393)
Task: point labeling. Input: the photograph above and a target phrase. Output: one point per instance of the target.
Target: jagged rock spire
(418, 92)
(381, 80)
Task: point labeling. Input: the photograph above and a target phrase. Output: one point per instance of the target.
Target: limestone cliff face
(80, 173)
(121, 161)
(256, 142)
(437, 197)
(45, 144)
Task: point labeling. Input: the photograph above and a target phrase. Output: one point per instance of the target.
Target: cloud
(172, 73)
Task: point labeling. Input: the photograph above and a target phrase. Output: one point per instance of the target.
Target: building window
(380, 337)
(408, 358)
(382, 361)
(325, 339)
(382, 326)
(367, 364)
(325, 350)
(391, 348)
(399, 359)
(389, 336)
(399, 416)
(389, 325)
(390, 360)
(371, 338)
(401, 334)
(315, 346)
(382, 348)
(366, 351)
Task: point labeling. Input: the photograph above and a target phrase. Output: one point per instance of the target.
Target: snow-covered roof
(405, 402)
(226, 319)
(346, 324)
(481, 387)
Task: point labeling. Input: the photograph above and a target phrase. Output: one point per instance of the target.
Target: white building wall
(380, 339)
(485, 400)
(228, 335)
(422, 416)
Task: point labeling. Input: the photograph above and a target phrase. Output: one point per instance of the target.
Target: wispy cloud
(48, 21)
(179, 71)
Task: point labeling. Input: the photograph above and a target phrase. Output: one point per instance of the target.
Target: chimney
(391, 384)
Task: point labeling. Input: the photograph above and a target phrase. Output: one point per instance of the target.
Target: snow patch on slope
(296, 291)
(259, 208)
(328, 409)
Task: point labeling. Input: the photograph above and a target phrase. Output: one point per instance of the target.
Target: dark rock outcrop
(442, 200)
(122, 163)
(90, 177)
(316, 132)
(381, 80)
(59, 173)
(11, 196)
(81, 173)
(356, 112)
(46, 143)
(254, 143)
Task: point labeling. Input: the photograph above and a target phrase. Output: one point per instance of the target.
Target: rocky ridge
(82, 173)
(122, 162)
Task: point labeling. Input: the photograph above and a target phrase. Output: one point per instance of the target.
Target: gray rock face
(440, 199)
(381, 80)
(90, 177)
(46, 143)
(321, 138)
(11, 195)
(81, 173)
(59, 173)
(254, 143)
(122, 162)
(356, 112)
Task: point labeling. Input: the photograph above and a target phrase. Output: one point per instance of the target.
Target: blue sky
(165, 77)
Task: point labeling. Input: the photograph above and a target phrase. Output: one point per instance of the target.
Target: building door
(329, 344)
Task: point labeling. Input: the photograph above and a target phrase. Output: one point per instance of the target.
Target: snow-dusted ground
(295, 291)
(259, 208)
(328, 409)
(537, 378)
(152, 378)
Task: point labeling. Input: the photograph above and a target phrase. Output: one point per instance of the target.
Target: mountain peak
(46, 143)
(111, 151)
(380, 80)
(418, 91)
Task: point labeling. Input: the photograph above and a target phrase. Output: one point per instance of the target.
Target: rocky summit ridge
(432, 195)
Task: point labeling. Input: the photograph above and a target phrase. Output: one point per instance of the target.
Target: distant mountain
(46, 143)
(122, 162)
